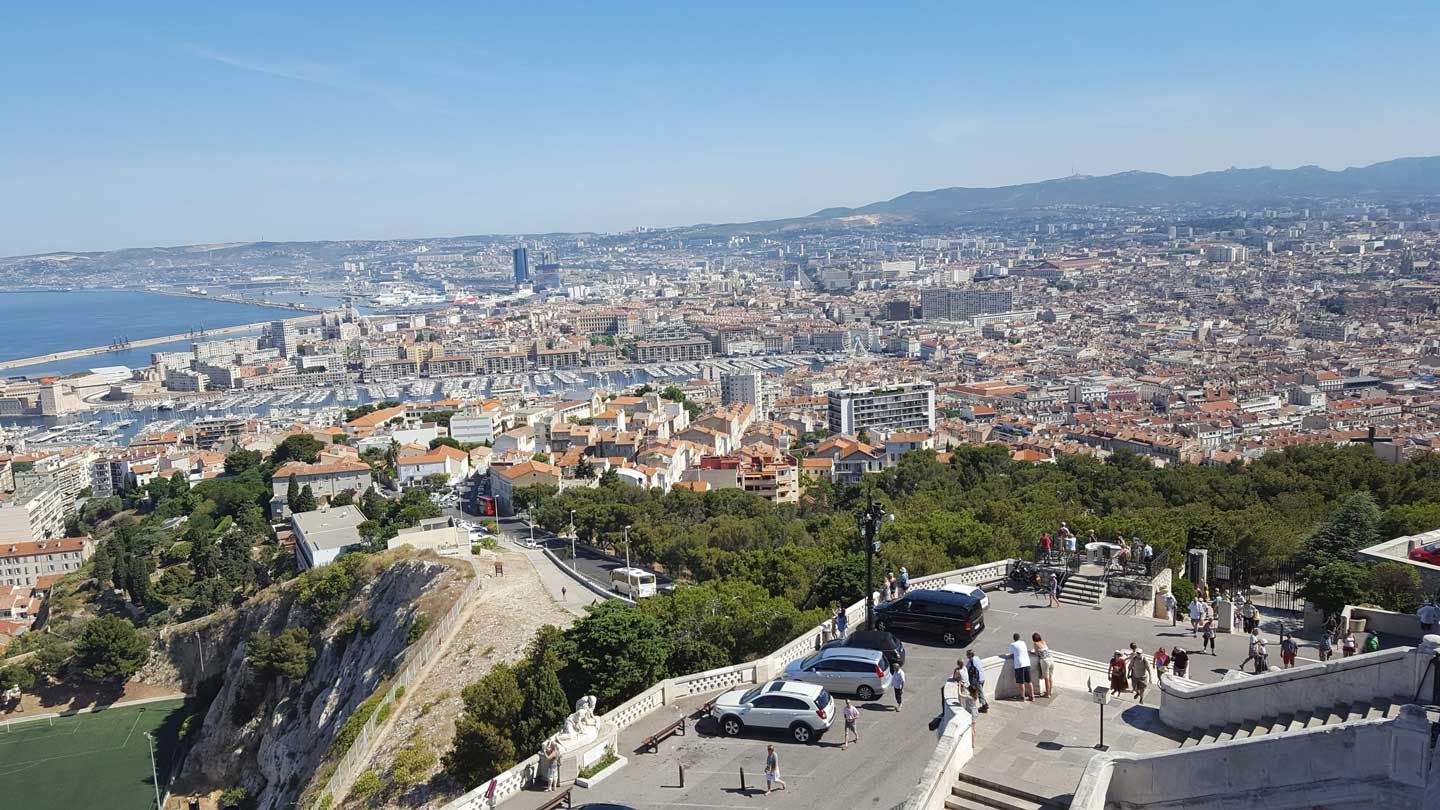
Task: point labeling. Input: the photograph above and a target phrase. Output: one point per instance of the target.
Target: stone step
(1246, 731)
(1228, 733)
(1298, 721)
(1212, 735)
(991, 794)
(980, 796)
(1318, 718)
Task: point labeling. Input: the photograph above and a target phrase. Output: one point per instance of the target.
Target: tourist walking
(1348, 644)
(1250, 646)
(1046, 546)
(1044, 665)
(1180, 661)
(1207, 635)
(897, 680)
(1139, 670)
(1118, 678)
(976, 674)
(772, 770)
(1172, 607)
(1372, 642)
(887, 590)
(1327, 649)
(1054, 590)
(850, 714)
(1429, 616)
(1020, 656)
(1162, 662)
(1288, 650)
(904, 580)
(1197, 612)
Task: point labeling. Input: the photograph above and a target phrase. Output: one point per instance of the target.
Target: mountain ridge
(1407, 175)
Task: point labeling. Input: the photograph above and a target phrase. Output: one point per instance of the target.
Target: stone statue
(580, 726)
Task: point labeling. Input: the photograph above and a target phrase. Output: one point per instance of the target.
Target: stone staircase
(1085, 590)
(1376, 709)
(975, 793)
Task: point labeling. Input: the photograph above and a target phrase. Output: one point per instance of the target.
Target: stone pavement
(1042, 747)
(1095, 634)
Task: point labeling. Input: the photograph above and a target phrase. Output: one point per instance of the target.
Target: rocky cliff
(269, 736)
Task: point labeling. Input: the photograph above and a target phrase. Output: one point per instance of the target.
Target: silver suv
(844, 670)
(801, 708)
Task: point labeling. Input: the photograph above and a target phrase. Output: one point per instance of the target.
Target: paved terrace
(1042, 745)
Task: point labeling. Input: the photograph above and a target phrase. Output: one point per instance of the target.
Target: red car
(1427, 554)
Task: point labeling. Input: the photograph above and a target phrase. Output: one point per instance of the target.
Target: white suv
(804, 709)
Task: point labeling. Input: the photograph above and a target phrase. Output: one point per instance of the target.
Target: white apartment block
(904, 407)
(35, 512)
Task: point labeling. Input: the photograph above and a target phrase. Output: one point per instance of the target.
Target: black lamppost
(870, 518)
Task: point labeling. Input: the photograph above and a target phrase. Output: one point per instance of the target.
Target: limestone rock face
(268, 736)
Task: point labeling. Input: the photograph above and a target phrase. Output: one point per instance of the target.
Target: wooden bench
(704, 711)
(562, 800)
(652, 743)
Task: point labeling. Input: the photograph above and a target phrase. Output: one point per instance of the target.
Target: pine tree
(292, 493)
(1356, 524)
(305, 501)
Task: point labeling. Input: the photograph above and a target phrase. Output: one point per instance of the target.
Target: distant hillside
(1418, 175)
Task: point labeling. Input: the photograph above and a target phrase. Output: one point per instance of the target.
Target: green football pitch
(98, 760)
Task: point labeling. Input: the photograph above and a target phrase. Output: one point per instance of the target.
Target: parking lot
(876, 772)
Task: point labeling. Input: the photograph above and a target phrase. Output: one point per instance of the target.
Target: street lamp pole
(627, 546)
(154, 773)
(870, 523)
(572, 538)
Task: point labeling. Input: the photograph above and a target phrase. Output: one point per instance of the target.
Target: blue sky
(151, 123)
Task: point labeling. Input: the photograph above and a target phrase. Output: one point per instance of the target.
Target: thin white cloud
(315, 73)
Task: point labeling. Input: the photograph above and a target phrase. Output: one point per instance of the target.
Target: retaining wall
(417, 656)
(1388, 622)
(1375, 764)
(1398, 672)
(953, 751)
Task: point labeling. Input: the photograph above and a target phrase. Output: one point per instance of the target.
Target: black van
(957, 618)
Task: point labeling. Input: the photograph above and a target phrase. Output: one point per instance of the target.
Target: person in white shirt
(1197, 613)
(1020, 655)
(1429, 616)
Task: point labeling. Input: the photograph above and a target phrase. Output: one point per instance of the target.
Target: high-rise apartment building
(906, 407)
(522, 266)
(747, 388)
(944, 304)
(285, 336)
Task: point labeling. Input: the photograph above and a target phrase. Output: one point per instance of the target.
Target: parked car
(1428, 553)
(803, 709)
(973, 590)
(845, 670)
(955, 617)
(880, 640)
